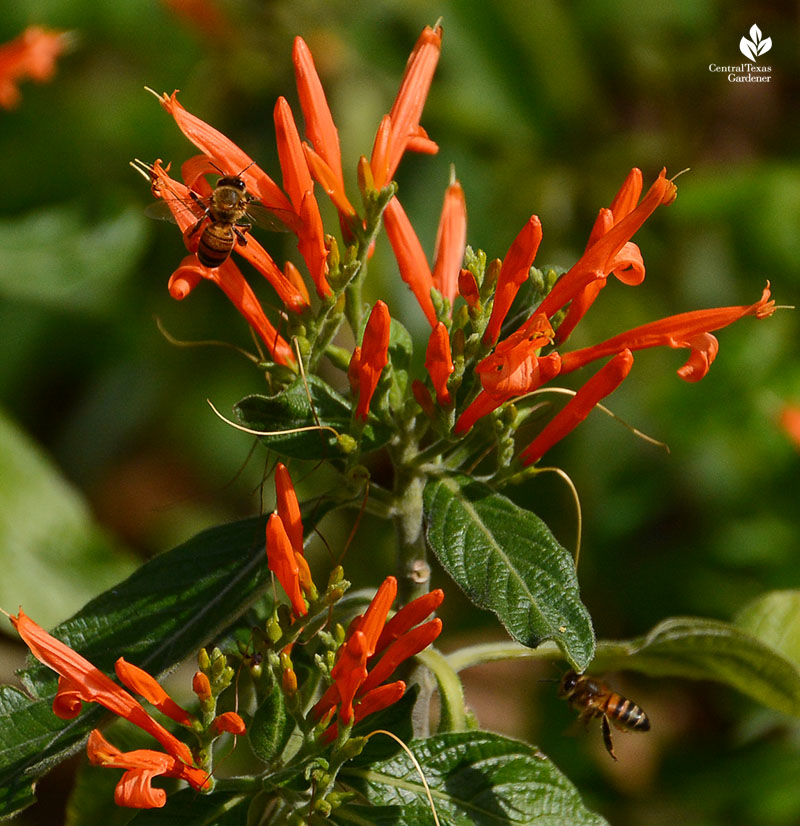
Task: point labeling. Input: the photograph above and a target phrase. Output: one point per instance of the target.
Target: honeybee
(594, 698)
(225, 216)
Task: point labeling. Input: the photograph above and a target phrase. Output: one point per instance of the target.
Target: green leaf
(306, 403)
(52, 258)
(157, 617)
(190, 809)
(49, 543)
(704, 649)
(476, 778)
(505, 559)
(774, 618)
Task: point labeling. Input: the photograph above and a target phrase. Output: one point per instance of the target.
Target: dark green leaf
(476, 778)
(49, 543)
(704, 649)
(157, 617)
(188, 808)
(506, 560)
(309, 403)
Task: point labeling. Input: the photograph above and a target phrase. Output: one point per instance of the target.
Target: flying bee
(224, 216)
(594, 698)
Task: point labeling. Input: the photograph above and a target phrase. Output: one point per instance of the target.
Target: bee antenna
(245, 169)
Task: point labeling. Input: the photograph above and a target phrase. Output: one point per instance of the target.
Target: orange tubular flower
(451, 240)
(141, 766)
(513, 274)
(371, 357)
(80, 680)
(512, 370)
(608, 253)
(227, 155)
(404, 131)
(230, 722)
(282, 561)
(298, 183)
(138, 680)
(605, 381)
(30, 55)
(411, 260)
(325, 159)
(439, 363)
(228, 277)
(687, 330)
(357, 682)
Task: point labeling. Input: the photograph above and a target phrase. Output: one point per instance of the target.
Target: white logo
(757, 45)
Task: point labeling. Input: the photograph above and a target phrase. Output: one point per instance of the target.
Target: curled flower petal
(678, 331)
(606, 380)
(68, 702)
(411, 260)
(84, 680)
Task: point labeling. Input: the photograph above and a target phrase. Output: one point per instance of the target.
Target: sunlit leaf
(505, 559)
(476, 778)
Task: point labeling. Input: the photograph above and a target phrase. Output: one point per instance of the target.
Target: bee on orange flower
(594, 698)
(225, 216)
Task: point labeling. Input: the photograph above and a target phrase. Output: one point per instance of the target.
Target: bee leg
(607, 737)
(239, 231)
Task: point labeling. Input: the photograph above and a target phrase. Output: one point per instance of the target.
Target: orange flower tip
(201, 686)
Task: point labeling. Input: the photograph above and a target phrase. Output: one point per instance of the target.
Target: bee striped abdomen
(216, 244)
(626, 714)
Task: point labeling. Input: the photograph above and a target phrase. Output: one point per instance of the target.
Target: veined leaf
(505, 559)
(704, 649)
(774, 618)
(161, 614)
(309, 403)
(476, 778)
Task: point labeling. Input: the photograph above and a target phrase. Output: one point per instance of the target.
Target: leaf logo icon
(757, 45)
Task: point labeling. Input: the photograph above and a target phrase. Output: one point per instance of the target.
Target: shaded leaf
(505, 559)
(476, 778)
(49, 543)
(271, 727)
(309, 403)
(52, 258)
(774, 618)
(189, 809)
(704, 649)
(157, 617)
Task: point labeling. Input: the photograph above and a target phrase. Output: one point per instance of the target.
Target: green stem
(413, 570)
(493, 651)
(453, 716)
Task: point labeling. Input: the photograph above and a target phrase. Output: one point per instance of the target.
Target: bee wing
(165, 209)
(273, 220)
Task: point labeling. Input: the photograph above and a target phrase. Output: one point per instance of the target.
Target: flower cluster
(476, 360)
(372, 651)
(372, 648)
(33, 55)
(81, 682)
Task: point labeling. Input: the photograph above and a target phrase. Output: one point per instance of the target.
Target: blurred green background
(109, 452)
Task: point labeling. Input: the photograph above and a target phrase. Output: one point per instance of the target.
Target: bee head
(568, 682)
(234, 181)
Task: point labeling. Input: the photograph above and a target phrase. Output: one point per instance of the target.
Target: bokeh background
(109, 452)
